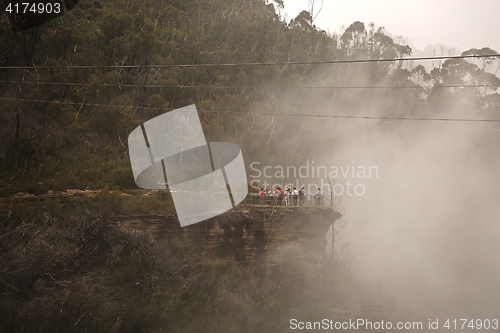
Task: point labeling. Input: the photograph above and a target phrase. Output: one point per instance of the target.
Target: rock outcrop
(248, 236)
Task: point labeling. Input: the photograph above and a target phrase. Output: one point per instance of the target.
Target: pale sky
(455, 23)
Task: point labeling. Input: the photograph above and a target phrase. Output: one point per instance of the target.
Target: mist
(426, 229)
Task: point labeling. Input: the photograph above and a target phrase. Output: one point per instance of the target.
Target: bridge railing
(292, 201)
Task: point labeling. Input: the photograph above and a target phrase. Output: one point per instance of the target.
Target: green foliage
(108, 202)
(62, 140)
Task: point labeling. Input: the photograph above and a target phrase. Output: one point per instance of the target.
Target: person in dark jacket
(302, 196)
(262, 196)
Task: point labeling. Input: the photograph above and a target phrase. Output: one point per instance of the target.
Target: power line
(375, 117)
(240, 87)
(266, 113)
(250, 64)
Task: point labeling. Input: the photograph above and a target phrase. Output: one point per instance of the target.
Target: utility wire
(266, 113)
(250, 64)
(253, 86)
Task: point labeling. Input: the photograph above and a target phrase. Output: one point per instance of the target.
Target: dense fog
(426, 231)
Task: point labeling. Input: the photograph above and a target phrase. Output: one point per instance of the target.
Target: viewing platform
(307, 201)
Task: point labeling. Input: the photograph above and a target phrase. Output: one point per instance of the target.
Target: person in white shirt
(286, 195)
(295, 195)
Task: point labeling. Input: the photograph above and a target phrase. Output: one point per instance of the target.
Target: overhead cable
(252, 64)
(265, 113)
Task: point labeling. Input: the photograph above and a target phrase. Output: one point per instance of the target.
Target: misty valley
(223, 166)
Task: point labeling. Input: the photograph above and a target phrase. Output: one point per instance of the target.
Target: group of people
(287, 197)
